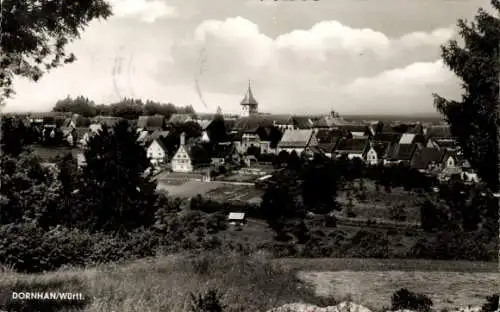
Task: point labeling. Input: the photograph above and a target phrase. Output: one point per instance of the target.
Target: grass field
(257, 283)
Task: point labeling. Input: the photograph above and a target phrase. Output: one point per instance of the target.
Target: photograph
(249, 156)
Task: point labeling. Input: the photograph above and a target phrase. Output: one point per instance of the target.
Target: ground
(165, 283)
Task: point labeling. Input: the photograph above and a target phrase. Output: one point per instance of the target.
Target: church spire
(249, 104)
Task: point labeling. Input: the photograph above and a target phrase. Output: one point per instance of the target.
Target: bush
(404, 299)
(211, 301)
(491, 304)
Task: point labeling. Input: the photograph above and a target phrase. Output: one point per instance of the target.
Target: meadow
(255, 282)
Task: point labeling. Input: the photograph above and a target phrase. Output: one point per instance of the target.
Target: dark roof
(387, 137)
(252, 123)
(355, 128)
(249, 99)
(302, 122)
(401, 151)
(381, 148)
(446, 143)
(441, 131)
(327, 147)
(353, 145)
(425, 156)
(327, 136)
(151, 122)
(235, 136)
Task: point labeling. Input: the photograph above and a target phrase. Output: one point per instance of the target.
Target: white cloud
(330, 65)
(145, 10)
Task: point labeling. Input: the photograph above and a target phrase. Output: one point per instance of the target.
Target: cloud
(147, 11)
(327, 66)
(328, 61)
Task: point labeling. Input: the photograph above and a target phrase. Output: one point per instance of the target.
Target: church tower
(249, 105)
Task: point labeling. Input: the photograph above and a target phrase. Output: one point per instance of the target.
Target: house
(302, 122)
(236, 218)
(386, 137)
(356, 130)
(157, 152)
(433, 159)
(224, 153)
(108, 121)
(327, 141)
(375, 153)
(353, 148)
(403, 150)
(189, 156)
(151, 123)
(440, 136)
(298, 140)
(254, 132)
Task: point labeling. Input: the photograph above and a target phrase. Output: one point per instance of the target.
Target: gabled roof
(353, 145)
(426, 156)
(401, 151)
(387, 137)
(327, 136)
(302, 122)
(355, 128)
(151, 122)
(158, 134)
(296, 138)
(446, 143)
(440, 131)
(160, 143)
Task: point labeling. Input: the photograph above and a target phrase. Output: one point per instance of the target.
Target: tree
(122, 194)
(80, 105)
(217, 130)
(474, 119)
(275, 136)
(14, 137)
(35, 35)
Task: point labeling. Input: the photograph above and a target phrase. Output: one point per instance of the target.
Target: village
(243, 156)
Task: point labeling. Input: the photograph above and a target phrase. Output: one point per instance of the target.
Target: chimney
(183, 139)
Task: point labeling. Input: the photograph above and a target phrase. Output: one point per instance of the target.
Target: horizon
(354, 57)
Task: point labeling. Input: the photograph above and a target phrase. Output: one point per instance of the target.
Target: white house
(157, 152)
(181, 162)
(371, 156)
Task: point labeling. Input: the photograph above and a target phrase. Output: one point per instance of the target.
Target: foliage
(123, 195)
(491, 304)
(217, 131)
(211, 301)
(15, 136)
(127, 108)
(473, 120)
(404, 299)
(35, 35)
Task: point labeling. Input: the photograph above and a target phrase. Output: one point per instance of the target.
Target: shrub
(211, 301)
(491, 304)
(404, 299)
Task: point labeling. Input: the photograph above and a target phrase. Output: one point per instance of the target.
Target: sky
(302, 57)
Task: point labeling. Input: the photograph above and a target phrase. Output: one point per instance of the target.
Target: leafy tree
(80, 105)
(319, 188)
(473, 120)
(281, 204)
(15, 136)
(123, 195)
(35, 35)
(275, 136)
(217, 130)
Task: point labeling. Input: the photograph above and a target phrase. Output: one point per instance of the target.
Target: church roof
(249, 99)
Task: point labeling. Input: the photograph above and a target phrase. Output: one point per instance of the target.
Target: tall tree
(14, 136)
(35, 34)
(474, 120)
(115, 177)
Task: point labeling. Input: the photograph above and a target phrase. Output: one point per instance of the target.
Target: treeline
(127, 108)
